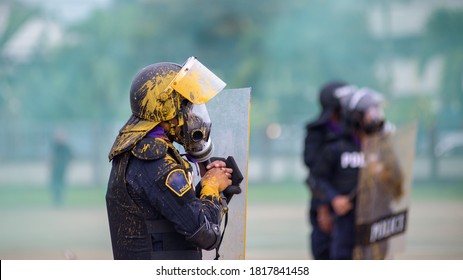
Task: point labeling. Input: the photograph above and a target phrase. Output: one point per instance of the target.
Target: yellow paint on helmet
(158, 105)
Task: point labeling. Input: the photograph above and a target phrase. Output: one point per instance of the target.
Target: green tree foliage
(284, 50)
(15, 16)
(311, 43)
(90, 75)
(443, 38)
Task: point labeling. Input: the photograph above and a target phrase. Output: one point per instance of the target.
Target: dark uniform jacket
(337, 172)
(337, 169)
(152, 207)
(317, 136)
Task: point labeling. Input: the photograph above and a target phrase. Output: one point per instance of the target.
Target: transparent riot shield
(229, 112)
(383, 194)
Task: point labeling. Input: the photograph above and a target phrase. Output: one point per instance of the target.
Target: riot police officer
(337, 171)
(153, 209)
(318, 133)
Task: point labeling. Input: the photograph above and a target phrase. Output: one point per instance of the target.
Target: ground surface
(276, 224)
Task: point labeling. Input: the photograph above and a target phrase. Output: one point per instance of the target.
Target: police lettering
(387, 227)
(352, 159)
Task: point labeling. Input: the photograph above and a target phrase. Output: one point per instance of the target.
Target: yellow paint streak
(210, 187)
(145, 147)
(151, 103)
(193, 89)
(197, 83)
(133, 131)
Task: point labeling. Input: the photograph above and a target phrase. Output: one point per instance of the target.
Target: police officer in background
(319, 132)
(337, 171)
(153, 209)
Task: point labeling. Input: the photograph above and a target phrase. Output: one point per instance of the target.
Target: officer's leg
(319, 240)
(343, 237)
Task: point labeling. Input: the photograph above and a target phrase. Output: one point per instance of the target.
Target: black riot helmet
(330, 96)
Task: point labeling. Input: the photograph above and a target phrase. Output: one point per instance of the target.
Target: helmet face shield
(373, 120)
(197, 83)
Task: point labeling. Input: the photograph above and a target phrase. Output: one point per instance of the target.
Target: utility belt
(168, 244)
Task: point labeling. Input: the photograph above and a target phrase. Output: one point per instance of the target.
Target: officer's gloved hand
(215, 181)
(235, 174)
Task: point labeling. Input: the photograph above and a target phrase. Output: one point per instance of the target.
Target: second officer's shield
(383, 194)
(229, 112)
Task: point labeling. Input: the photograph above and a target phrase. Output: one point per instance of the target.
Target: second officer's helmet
(363, 110)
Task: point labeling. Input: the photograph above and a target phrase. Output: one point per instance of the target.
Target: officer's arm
(170, 192)
(208, 235)
(323, 170)
(196, 218)
(312, 145)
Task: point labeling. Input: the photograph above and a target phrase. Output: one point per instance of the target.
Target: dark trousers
(343, 237)
(319, 240)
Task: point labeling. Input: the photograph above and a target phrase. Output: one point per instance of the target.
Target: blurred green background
(66, 68)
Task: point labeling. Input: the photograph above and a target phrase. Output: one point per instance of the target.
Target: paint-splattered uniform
(152, 207)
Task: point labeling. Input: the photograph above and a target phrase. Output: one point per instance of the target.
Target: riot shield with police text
(229, 112)
(383, 194)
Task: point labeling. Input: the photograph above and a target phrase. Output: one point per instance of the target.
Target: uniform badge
(177, 182)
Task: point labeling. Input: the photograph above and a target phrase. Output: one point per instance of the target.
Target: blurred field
(277, 229)
(435, 231)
